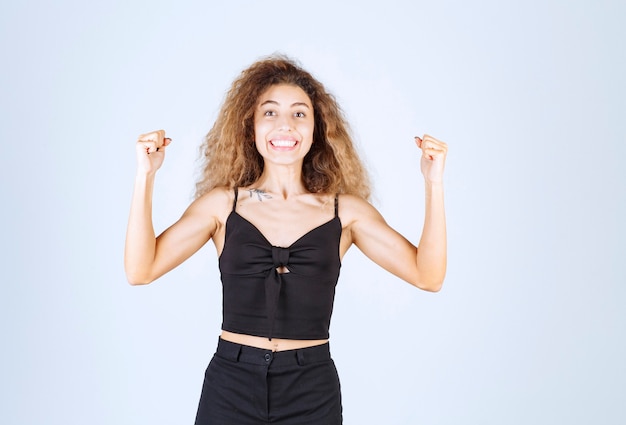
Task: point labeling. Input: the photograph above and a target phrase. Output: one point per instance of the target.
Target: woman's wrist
(143, 175)
(433, 186)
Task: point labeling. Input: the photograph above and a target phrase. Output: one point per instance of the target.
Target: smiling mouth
(283, 143)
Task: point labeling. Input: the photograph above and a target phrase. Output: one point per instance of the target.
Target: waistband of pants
(260, 356)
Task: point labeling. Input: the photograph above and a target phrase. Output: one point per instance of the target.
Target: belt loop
(300, 357)
(228, 350)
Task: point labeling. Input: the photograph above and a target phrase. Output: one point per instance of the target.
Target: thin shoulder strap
(235, 201)
(336, 205)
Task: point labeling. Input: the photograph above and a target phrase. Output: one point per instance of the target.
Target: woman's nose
(284, 123)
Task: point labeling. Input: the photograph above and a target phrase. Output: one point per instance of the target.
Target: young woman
(283, 196)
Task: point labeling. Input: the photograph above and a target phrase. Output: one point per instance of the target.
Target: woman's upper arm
(380, 242)
(186, 236)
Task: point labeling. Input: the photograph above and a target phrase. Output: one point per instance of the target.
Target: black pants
(248, 386)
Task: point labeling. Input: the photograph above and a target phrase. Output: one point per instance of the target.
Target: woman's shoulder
(353, 201)
(353, 207)
(217, 202)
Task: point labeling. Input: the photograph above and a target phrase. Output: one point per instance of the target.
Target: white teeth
(284, 143)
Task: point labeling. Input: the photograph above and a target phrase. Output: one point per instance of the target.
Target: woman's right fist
(151, 150)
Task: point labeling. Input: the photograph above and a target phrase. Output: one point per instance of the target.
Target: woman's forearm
(140, 236)
(432, 249)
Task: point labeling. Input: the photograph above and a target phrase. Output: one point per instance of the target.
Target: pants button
(268, 357)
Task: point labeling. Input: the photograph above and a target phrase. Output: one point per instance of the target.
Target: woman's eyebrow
(301, 104)
(273, 102)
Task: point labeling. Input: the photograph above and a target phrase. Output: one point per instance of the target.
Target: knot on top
(280, 256)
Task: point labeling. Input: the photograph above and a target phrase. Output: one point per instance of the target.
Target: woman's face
(283, 124)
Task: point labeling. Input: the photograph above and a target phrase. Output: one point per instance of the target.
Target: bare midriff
(275, 344)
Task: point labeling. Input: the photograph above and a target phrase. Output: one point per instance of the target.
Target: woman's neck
(283, 181)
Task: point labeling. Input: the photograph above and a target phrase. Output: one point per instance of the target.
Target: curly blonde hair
(229, 155)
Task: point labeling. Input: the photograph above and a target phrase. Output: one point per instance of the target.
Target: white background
(530, 327)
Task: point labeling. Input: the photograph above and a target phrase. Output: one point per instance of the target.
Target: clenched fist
(151, 150)
(433, 160)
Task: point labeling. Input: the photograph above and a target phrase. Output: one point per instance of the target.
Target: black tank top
(260, 301)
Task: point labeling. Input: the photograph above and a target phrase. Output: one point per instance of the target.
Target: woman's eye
(269, 113)
(299, 115)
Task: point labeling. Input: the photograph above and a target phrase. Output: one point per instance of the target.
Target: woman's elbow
(434, 286)
(431, 287)
(138, 279)
(430, 284)
(136, 282)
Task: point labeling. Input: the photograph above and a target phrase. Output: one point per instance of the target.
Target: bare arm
(147, 257)
(423, 266)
